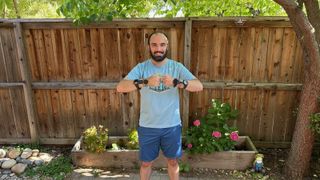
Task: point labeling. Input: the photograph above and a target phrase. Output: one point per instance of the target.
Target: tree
(307, 27)
(29, 8)
(86, 11)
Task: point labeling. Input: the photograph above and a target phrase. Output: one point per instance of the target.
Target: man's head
(158, 46)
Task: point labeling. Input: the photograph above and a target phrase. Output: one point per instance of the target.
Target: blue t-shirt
(159, 105)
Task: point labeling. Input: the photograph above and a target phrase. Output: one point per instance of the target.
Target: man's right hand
(154, 80)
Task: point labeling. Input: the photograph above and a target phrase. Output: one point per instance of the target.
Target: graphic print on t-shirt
(161, 87)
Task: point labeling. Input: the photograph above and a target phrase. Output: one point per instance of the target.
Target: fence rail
(56, 79)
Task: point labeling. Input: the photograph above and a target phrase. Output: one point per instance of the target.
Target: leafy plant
(95, 139)
(184, 167)
(133, 141)
(57, 169)
(212, 133)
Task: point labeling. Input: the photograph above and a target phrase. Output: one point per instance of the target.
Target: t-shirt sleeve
(185, 74)
(135, 73)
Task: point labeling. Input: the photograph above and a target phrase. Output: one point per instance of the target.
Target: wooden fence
(57, 79)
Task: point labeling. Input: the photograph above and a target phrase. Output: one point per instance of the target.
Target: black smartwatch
(185, 83)
(175, 82)
(137, 82)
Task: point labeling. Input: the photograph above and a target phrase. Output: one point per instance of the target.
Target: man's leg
(173, 169)
(145, 170)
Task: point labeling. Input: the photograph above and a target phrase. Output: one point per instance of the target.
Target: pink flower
(216, 134)
(234, 136)
(196, 122)
(189, 146)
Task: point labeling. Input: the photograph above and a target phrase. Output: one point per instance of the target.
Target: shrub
(133, 142)
(95, 139)
(212, 133)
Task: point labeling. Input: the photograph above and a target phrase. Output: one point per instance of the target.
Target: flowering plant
(212, 133)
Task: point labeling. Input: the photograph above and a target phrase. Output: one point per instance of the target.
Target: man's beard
(158, 58)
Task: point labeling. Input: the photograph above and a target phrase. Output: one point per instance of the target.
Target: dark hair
(156, 32)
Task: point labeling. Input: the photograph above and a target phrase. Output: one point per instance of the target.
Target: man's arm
(126, 86)
(194, 85)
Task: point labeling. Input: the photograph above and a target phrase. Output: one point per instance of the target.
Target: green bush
(95, 139)
(133, 141)
(212, 133)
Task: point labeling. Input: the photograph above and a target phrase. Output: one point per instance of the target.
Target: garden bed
(239, 159)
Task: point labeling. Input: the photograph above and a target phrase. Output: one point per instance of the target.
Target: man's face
(158, 47)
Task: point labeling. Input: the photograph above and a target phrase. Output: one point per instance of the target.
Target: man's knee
(172, 162)
(146, 164)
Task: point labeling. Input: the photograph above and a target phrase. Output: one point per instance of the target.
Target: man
(158, 80)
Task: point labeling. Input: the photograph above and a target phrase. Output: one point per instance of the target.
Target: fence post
(186, 61)
(26, 77)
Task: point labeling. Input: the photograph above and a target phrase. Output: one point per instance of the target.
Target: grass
(57, 169)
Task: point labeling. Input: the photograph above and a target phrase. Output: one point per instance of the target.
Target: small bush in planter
(212, 133)
(95, 139)
(133, 142)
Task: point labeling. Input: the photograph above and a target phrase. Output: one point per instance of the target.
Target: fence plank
(26, 76)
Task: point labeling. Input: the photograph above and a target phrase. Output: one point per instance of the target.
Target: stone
(7, 171)
(4, 176)
(26, 153)
(19, 168)
(14, 153)
(2, 153)
(38, 162)
(8, 164)
(26, 161)
(35, 152)
(45, 156)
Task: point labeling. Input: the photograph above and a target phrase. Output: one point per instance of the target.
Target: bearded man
(158, 80)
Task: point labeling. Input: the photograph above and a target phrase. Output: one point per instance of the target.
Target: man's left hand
(167, 80)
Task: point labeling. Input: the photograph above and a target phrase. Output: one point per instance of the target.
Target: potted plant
(210, 143)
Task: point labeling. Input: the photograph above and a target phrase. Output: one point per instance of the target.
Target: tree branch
(304, 31)
(313, 12)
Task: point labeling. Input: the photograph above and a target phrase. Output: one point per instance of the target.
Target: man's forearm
(194, 85)
(126, 86)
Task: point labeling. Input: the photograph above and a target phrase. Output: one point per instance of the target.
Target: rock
(26, 161)
(45, 156)
(7, 171)
(14, 153)
(35, 152)
(4, 176)
(2, 153)
(26, 153)
(19, 168)
(8, 164)
(38, 162)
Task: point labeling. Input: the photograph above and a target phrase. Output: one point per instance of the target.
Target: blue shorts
(151, 140)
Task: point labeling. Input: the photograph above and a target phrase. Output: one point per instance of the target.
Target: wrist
(138, 82)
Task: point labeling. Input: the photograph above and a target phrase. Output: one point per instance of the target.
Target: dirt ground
(274, 161)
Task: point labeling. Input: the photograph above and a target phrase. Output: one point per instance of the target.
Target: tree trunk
(298, 162)
(15, 5)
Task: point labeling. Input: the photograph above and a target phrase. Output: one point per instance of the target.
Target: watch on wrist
(136, 83)
(145, 81)
(185, 83)
(175, 82)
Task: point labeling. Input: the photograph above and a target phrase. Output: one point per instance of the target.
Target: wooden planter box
(239, 159)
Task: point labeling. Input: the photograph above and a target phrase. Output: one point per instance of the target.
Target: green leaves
(213, 133)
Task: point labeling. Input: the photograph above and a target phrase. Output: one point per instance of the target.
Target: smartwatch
(185, 83)
(137, 82)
